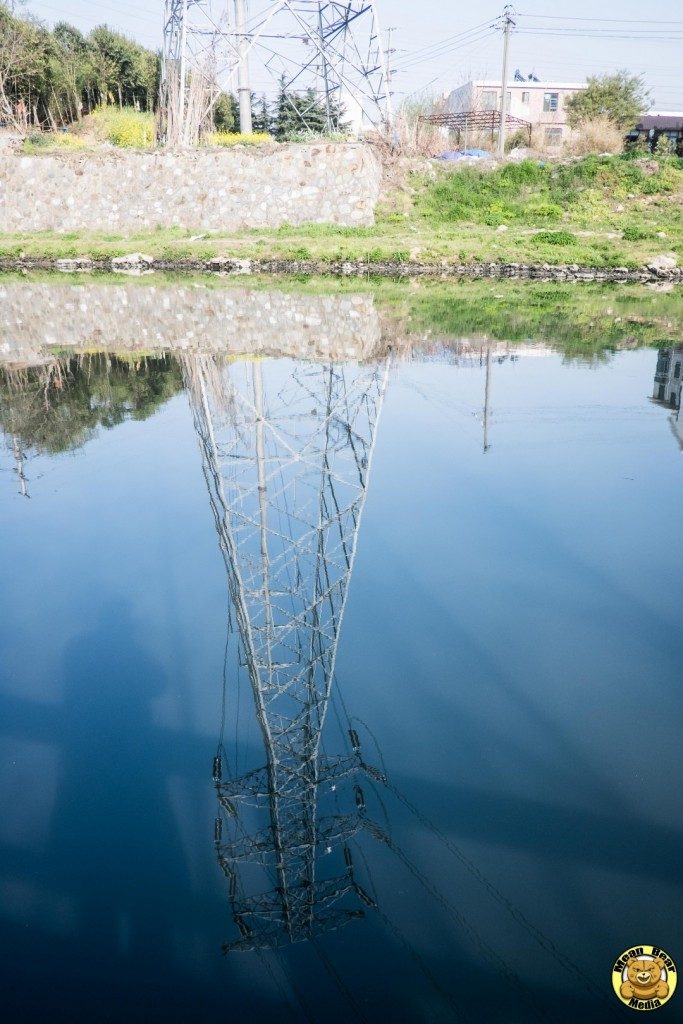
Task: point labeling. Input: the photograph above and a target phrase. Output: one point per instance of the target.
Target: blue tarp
(464, 154)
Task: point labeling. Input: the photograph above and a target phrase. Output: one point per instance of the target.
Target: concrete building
(541, 104)
(655, 124)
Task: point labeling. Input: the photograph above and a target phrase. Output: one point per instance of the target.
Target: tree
(225, 113)
(50, 78)
(260, 115)
(295, 113)
(621, 97)
(22, 68)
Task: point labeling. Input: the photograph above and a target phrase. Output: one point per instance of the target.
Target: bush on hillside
(597, 135)
(121, 126)
(554, 238)
(621, 97)
(237, 139)
(533, 192)
(48, 142)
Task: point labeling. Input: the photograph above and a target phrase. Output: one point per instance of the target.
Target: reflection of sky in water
(512, 639)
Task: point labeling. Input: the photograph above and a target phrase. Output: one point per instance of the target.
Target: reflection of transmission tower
(328, 53)
(286, 456)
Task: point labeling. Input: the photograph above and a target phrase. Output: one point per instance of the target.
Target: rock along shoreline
(138, 264)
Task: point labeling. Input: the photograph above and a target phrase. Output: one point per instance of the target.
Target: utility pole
(384, 64)
(243, 87)
(508, 25)
(390, 51)
(326, 70)
(182, 98)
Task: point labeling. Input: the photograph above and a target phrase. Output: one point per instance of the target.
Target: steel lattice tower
(332, 50)
(286, 456)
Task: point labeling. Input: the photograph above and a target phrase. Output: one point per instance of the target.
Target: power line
(620, 21)
(449, 39)
(588, 34)
(409, 63)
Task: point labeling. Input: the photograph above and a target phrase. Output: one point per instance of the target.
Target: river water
(336, 688)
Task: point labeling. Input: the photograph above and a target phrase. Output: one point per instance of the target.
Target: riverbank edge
(138, 264)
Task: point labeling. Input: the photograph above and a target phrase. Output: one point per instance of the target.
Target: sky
(439, 45)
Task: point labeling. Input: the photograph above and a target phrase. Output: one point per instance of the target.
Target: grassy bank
(602, 212)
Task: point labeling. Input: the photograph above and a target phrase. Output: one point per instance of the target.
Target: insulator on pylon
(355, 739)
(244, 928)
(228, 806)
(233, 886)
(347, 857)
(362, 895)
(218, 830)
(360, 798)
(217, 768)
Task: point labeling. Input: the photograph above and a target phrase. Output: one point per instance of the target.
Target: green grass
(533, 193)
(597, 212)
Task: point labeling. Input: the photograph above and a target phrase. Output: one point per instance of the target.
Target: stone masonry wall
(204, 190)
(38, 319)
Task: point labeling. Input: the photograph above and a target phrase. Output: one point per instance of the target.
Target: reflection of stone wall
(38, 317)
(209, 190)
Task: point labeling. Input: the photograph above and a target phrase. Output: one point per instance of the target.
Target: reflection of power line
(287, 463)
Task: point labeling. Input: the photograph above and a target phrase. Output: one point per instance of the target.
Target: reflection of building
(286, 451)
(668, 381)
(541, 104)
(668, 377)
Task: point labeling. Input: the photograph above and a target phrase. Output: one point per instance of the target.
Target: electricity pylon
(314, 52)
(286, 455)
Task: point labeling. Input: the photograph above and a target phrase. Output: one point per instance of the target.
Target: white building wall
(543, 104)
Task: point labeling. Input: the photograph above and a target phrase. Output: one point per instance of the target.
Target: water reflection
(668, 384)
(57, 404)
(286, 451)
(287, 454)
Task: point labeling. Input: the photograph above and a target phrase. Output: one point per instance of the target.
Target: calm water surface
(440, 686)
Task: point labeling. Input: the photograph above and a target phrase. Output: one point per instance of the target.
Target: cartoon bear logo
(645, 979)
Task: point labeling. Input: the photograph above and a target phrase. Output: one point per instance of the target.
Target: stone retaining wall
(203, 190)
(38, 319)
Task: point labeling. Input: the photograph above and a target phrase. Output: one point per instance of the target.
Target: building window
(551, 101)
(526, 98)
(489, 99)
(677, 371)
(553, 136)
